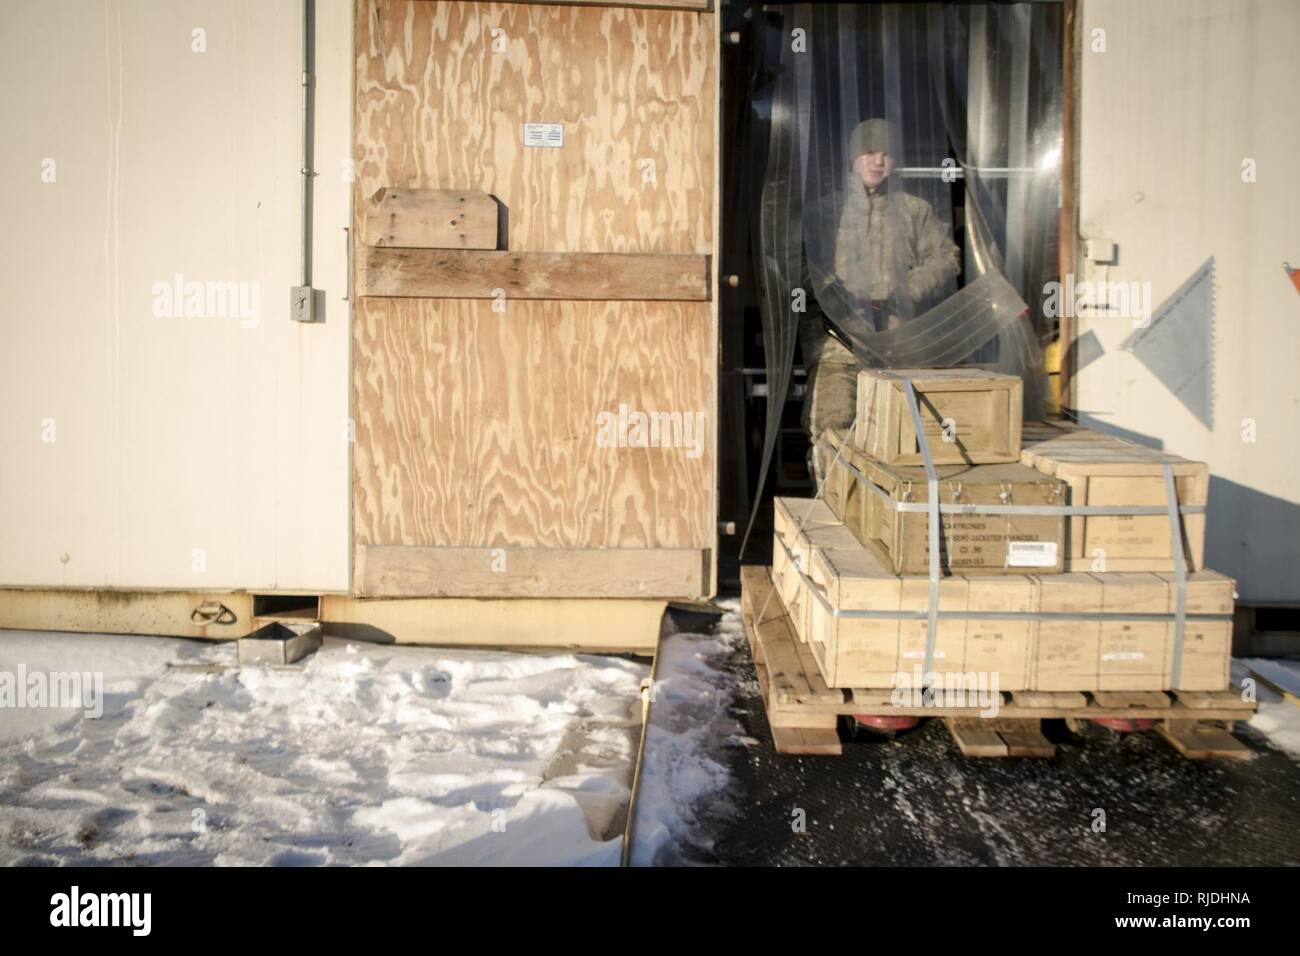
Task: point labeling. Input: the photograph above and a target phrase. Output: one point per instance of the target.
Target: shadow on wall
(1251, 536)
(1138, 438)
(1247, 529)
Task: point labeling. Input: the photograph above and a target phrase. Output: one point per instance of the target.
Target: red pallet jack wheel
(880, 725)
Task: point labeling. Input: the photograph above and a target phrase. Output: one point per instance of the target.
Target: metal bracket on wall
(302, 303)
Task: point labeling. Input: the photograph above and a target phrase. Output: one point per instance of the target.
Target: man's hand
(918, 286)
(938, 261)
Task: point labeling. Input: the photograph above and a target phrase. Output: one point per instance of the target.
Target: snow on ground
(1278, 717)
(362, 754)
(690, 726)
(381, 754)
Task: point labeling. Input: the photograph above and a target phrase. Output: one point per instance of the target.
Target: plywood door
(478, 428)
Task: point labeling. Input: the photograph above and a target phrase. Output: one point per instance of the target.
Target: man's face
(874, 168)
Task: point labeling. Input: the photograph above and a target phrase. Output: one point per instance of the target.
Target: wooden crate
(1027, 654)
(802, 524)
(1103, 470)
(835, 482)
(871, 652)
(969, 543)
(984, 410)
(1127, 655)
(803, 711)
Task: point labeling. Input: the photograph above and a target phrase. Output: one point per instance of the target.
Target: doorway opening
(891, 198)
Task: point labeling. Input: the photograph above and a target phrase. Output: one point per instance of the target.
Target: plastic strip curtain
(964, 100)
(777, 232)
(998, 70)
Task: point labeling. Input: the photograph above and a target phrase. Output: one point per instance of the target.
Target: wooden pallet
(803, 712)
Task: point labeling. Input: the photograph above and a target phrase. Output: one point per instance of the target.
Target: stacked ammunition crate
(1067, 532)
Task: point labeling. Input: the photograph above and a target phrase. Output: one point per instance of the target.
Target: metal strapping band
(817, 591)
(978, 509)
(932, 481)
(932, 507)
(1180, 572)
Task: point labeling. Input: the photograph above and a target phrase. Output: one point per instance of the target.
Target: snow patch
(1278, 717)
(690, 723)
(365, 754)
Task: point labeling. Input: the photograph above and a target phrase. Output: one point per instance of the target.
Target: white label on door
(544, 134)
(1031, 554)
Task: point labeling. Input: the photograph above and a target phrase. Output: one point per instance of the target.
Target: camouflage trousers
(831, 398)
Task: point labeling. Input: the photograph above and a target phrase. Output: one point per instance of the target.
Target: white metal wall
(177, 434)
(174, 452)
(1184, 92)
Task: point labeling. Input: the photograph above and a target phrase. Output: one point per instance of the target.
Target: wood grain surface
(438, 107)
(478, 428)
(479, 274)
(388, 571)
(665, 4)
(430, 219)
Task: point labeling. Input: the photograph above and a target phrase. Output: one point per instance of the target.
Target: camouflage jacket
(890, 244)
